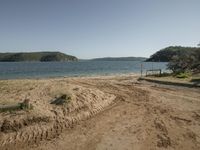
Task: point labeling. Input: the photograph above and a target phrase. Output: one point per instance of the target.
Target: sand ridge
(46, 121)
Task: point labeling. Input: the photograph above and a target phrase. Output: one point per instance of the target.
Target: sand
(110, 112)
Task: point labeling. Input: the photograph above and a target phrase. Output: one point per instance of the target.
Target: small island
(36, 56)
(120, 59)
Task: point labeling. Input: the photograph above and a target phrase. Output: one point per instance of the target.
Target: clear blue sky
(98, 28)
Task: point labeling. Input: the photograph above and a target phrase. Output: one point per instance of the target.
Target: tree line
(181, 59)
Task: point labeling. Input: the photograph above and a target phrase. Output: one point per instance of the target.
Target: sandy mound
(56, 105)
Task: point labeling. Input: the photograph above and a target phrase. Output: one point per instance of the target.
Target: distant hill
(166, 54)
(120, 59)
(36, 56)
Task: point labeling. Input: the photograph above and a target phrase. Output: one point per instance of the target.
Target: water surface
(16, 70)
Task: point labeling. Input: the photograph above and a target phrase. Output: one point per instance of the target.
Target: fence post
(141, 69)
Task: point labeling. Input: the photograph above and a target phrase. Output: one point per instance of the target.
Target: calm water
(14, 70)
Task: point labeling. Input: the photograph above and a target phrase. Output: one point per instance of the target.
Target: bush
(63, 99)
(183, 75)
(184, 62)
(16, 107)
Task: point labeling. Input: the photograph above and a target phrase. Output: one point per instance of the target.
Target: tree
(185, 62)
(166, 54)
(181, 63)
(198, 44)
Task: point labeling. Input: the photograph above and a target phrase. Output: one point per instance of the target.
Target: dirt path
(145, 116)
(142, 116)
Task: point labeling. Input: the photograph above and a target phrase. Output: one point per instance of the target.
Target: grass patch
(16, 107)
(183, 75)
(63, 99)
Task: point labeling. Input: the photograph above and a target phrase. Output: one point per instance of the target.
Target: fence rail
(154, 72)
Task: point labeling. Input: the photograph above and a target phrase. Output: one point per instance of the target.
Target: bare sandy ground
(104, 113)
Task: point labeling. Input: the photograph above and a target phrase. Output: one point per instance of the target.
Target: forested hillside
(166, 54)
(36, 56)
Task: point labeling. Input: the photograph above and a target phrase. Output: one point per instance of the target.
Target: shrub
(184, 62)
(183, 75)
(63, 99)
(15, 107)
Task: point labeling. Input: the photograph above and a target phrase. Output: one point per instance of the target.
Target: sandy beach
(103, 113)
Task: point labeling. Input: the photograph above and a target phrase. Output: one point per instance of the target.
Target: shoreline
(81, 76)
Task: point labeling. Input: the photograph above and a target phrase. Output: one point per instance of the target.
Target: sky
(98, 28)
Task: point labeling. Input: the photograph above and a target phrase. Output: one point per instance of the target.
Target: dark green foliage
(181, 59)
(10, 108)
(189, 61)
(183, 75)
(167, 54)
(36, 56)
(63, 99)
(24, 106)
(16, 107)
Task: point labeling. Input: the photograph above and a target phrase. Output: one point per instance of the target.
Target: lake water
(16, 70)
